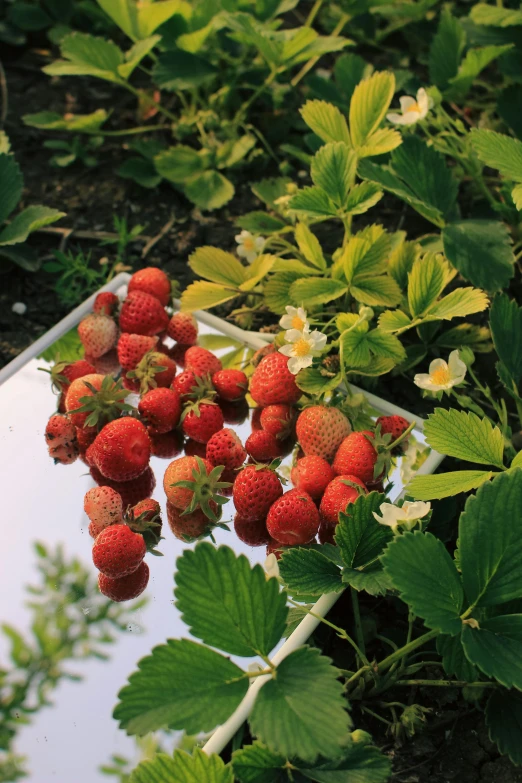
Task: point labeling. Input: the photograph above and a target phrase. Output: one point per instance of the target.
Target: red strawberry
(188, 526)
(161, 410)
(106, 303)
(234, 412)
(394, 426)
(225, 448)
(338, 495)
(273, 383)
(145, 518)
(155, 369)
(277, 419)
(126, 587)
(117, 551)
(108, 364)
(99, 404)
(312, 474)
(255, 489)
(131, 492)
(275, 548)
(321, 429)
(201, 420)
(357, 456)
(168, 445)
(178, 353)
(133, 347)
(201, 361)
(253, 533)
(152, 281)
(63, 374)
(98, 334)
(191, 483)
(142, 313)
(231, 385)
(121, 452)
(149, 509)
(103, 506)
(183, 328)
(184, 382)
(194, 449)
(260, 354)
(293, 518)
(85, 436)
(76, 391)
(262, 446)
(59, 431)
(65, 454)
(255, 421)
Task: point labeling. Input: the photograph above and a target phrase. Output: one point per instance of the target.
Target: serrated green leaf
(454, 659)
(517, 461)
(183, 768)
(311, 291)
(446, 49)
(301, 712)
(504, 716)
(139, 20)
(374, 581)
(378, 366)
(425, 283)
(506, 329)
(309, 246)
(363, 197)
(209, 190)
(277, 291)
(181, 70)
(362, 764)
(87, 55)
(11, 184)
(401, 261)
(380, 291)
(228, 604)
(257, 764)
(260, 222)
(311, 381)
(218, 266)
(178, 164)
(445, 485)
(366, 254)
(465, 436)
(516, 195)
(136, 53)
(333, 170)
(393, 320)
(459, 303)
(183, 685)
(202, 295)
(370, 102)
(257, 270)
(495, 648)
(499, 152)
(354, 349)
(425, 576)
(312, 202)
(386, 345)
(481, 251)
(474, 62)
(28, 221)
(495, 15)
(50, 120)
(308, 572)
(140, 170)
(271, 189)
(359, 537)
(326, 121)
(379, 143)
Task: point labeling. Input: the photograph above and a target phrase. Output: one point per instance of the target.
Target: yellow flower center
(248, 244)
(298, 323)
(441, 376)
(301, 347)
(415, 107)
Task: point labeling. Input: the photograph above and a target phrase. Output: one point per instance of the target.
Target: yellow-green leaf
(309, 246)
(202, 295)
(326, 121)
(370, 102)
(257, 270)
(217, 265)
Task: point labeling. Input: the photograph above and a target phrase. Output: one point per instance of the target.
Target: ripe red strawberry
(152, 281)
(394, 426)
(160, 410)
(312, 474)
(183, 328)
(145, 518)
(142, 313)
(262, 446)
(98, 334)
(201, 361)
(201, 420)
(85, 436)
(155, 369)
(321, 429)
(121, 452)
(234, 412)
(126, 587)
(231, 385)
(149, 509)
(59, 431)
(76, 391)
(108, 364)
(106, 303)
(255, 421)
(184, 383)
(255, 489)
(133, 347)
(273, 383)
(191, 483)
(97, 403)
(357, 456)
(65, 454)
(338, 495)
(118, 551)
(225, 448)
(178, 353)
(103, 506)
(168, 445)
(277, 419)
(293, 518)
(188, 527)
(253, 533)
(131, 492)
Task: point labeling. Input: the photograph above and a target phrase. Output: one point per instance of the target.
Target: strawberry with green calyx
(133, 347)
(152, 281)
(154, 369)
(293, 518)
(201, 419)
(339, 493)
(255, 489)
(118, 551)
(106, 303)
(194, 387)
(367, 454)
(191, 483)
(230, 384)
(145, 518)
(312, 474)
(142, 313)
(225, 448)
(321, 429)
(396, 427)
(102, 405)
(62, 374)
(127, 587)
(81, 387)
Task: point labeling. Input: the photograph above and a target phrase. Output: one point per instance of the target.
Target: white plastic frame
(224, 733)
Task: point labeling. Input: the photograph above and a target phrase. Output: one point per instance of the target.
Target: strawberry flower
(413, 109)
(302, 347)
(249, 246)
(442, 375)
(406, 516)
(271, 566)
(295, 318)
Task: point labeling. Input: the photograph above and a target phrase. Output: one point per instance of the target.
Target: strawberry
(166, 446)
(152, 281)
(85, 436)
(194, 449)
(103, 506)
(145, 518)
(260, 354)
(160, 410)
(321, 429)
(99, 405)
(59, 431)
(357, 456)
(188, 527)
(312, 474)
(253, 533)
(234, 412)
(131, 492)
(108, 364)
(393, 426)
(255, 421)
(118, 551)
(339, 493)
(225, 448)
(63, 374)
(126, 587)
(148, 509)
(201, 361)
(201, 420)
(277, 419)
(121, 451)
(293, 518)
(178, 353)
(142, 313)
(262, 446)
(133, 347)
(184, 383)
(231, 385)
(106, 303)
(255, 489)
(78, 389)
(183, 328)
(191, 483)
(65, 454)
(275, 548)
(272, 382)
(155, 369)
(98, 334)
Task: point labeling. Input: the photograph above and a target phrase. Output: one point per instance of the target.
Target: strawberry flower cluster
(303, 342)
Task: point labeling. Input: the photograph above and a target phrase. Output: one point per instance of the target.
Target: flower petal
(286, 350)
(293, 335)
(396, 119)
(406, 103)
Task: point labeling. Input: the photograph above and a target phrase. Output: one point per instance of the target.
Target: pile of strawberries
(183, 400)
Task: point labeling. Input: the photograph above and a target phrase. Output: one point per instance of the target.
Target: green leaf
(139, 20)
(496, 16)
(516, 195)
(393, 320)
(257, 270)
(426, 281)
(333, 170)
(380, 142)
(505, 320)
(67, 348)
(366, 254)
(11, 185)
(140, 170)
(445, 485)
(217, 265)
(277, 291)
(50, 120)
(386, 345)
(362, 197)
(260, 222)
(354, 348)
(183, 685)
(491, 542)
(360, 538)
(401, 261)
(495, 648)
(270, 190)
(474, 62)
(362, 764)
(136, 53)
(504, 719)
(427, 580)
(374, 581)
(257, 764)
(459, 303)
(202, 295)
(183, 768)
(481, 251)
(308, 572)
(86, 55)
(499, 152)
(446, 49)
(179, 70)
(380, 291)
(226, 603)
(28, 221)
(301, 712)
(326, 121)
(178, 164)
(312, 202)
(309, 246)
(465, 436)
(311, 381)
(370, 101)
(454, 659)
(517, 461)
(310, 291)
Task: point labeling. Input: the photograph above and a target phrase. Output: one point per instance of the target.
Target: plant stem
(377, 717)
(241, 112)
(340, 631)
(310, 63)
(401, 437)
(448, 683)
(125, 132)
(156, 105)
(402, 651)
(359, 635)
(313, 13)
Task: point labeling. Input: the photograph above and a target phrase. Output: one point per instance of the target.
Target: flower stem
(359, 635)
(340, 631)
(402, 651)
(310, 63)
(448, 683)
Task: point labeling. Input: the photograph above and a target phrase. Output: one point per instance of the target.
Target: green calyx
(146, 371)
(149, 527)
(57, 379)
(205, 490)
(104, 405)
(194, 406)
(203, 391)
(385, 448)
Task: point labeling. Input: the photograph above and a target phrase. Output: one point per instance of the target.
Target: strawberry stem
(401, 437)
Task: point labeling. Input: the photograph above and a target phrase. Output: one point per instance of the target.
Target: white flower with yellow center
(413, 109)
(406, 516)
(442, 375)
(295, 318)
(249, 246)
(302, 347)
